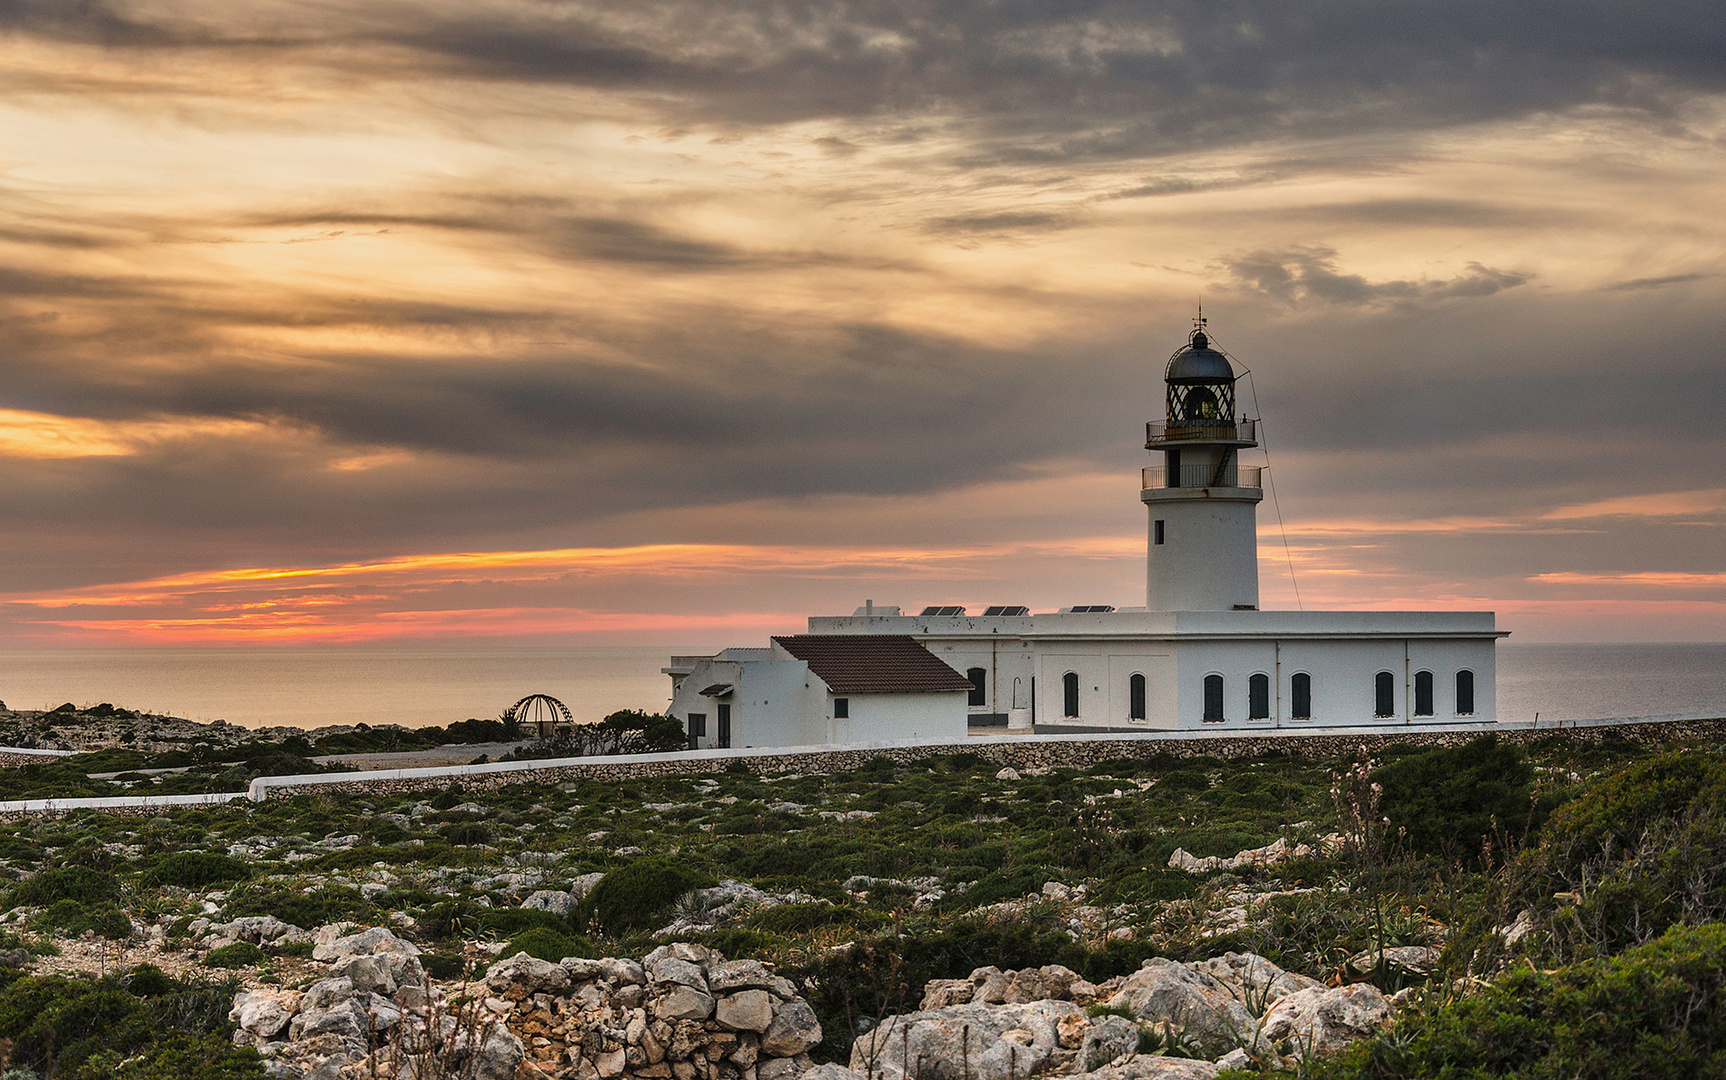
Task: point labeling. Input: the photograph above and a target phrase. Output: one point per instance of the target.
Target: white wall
(1209, 558)
(887, 717)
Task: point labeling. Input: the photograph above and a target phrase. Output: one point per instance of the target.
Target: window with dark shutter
(1423, 693)
(979, 685)
(1213, 697)
(1259, 697)
(1465, 693)
(1136, 698)
(1300, 689)
(1384, 694)
(1070, 694)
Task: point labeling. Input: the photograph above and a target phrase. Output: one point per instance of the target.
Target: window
(1465, 693)
(1136, 698)
(1213, 697)
(1384, 694)
(1259, 697)
(841, 708)
(1159, 530)
(979, 682)
(1070, 694)
(724, 741)
(1423, 693)
(1300, 689)
(697, 728)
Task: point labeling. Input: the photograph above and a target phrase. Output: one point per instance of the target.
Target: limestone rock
(669, 969)
(1325, 1020)
(939, 993)
(584, 885)
(1202, 1012)
(558, 903)
(1417, 960)
(1107, 1040)
(522, 976)
(368, 973)
(376, 940)
(794, 1030)
(684, 1003)
(831, 1072)
(1152, 1067)
(746, 1010)
(1255, 981)
(734, 975)
(264, 1012)
(963, 1042)
(623, 972)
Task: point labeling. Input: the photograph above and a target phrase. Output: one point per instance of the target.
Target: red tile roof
(873, 663)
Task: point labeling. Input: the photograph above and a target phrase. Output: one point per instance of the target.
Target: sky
(678, 321)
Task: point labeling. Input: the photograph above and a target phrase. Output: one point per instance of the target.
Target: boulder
(746, 1010)
(683, 1003)
(623, 972)
(794, 1031)
(522, 976)
(368, 973)
(963, 1042)
(498, 1055)
(376, 940)
(558, 903)
(1203, 1014)
(584, 885)
(939, 993)
(1416, 960)
(733, 975)
(1153, 1067)
(1107, 1040)
(669, 969)
(264, 1012)
(1324, 1020)
(1256, 982)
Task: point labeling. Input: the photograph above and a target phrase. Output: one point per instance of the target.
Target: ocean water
(314, 686)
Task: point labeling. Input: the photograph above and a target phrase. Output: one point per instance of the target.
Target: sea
(314, 686)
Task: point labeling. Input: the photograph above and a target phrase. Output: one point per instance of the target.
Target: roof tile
(873, 663)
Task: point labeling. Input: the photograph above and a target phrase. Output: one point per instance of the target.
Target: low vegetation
(1577, 893)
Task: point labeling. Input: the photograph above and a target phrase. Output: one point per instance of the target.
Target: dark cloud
(1308, 275)
(1636, 284)
(1003, 222)
(1045, 80)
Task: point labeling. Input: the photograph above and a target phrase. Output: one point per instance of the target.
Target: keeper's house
(1199, 655)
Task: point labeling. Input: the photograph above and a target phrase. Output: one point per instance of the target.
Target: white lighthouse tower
(1203, 551)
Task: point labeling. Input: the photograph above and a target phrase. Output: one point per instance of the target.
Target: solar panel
(1092, 608)
(949, 609)
(1007, 609)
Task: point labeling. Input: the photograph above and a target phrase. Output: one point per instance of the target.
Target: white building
(807, 690)
(1198, 656)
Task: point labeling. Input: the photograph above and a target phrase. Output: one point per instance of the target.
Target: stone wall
(1057, 752)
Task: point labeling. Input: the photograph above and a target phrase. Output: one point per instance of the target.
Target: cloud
(1637, 284)
(1309, 275)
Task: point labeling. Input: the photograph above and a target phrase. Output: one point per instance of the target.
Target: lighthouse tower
(1203, 552)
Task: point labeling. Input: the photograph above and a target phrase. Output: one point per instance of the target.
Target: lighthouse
(1203, 543)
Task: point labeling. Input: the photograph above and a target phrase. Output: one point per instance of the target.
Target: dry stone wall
(1055, 752)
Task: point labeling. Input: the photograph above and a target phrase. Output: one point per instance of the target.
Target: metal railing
(1202, 476)
(1162, 431)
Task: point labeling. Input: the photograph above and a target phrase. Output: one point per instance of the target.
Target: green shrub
(1656, 1012)
(133, 1026)
(466, 833)
(305, 908)
(635, 897)
(238, 955)
(80, 883)
(443, 965)
(72, 918)
(548, 944)
(1448, 802)
(803, 918)
(196, 869)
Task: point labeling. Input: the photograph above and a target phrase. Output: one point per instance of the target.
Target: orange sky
(672, 321)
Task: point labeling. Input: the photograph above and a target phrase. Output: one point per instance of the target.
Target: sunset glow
(676, 320)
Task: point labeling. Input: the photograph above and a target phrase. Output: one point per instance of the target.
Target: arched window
(1136, 698)
(1384, 694)
(1423, 693)
(1300, 689)
(1259, 697)
(1465, 693)
(979, 685)
(1070, 694)
(1213, 697)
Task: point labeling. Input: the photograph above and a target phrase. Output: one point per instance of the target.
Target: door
(723, 740)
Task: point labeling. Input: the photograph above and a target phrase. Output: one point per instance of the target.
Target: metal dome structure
(543, 711)
(1201, 385)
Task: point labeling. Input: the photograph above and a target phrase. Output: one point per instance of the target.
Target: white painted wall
(886, 717)
(1209, 558)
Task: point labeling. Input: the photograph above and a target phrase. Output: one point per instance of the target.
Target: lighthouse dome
(1197, 362)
